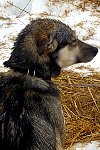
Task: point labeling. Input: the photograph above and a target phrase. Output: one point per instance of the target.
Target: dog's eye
(74, 43)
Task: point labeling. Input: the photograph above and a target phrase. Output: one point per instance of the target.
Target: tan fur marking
(67, 56)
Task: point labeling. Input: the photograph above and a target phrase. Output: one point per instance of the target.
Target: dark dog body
(31, 114)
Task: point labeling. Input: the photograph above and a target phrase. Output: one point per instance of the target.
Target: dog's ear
(56, 37)
(49, 46)
(52, 45)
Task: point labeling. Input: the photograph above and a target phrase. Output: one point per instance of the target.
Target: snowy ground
(85, 20)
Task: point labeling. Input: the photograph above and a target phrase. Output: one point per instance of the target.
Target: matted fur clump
(80, 98)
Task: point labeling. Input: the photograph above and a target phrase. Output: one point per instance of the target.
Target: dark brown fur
(30, 111)
(31, 115)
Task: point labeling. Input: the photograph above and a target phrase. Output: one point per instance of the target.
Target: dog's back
(30, 117)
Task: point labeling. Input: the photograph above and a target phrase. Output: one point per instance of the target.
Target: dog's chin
(78, 61)
(85, 60)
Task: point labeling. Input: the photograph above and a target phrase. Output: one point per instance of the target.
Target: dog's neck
(36, 73)
(33, 73)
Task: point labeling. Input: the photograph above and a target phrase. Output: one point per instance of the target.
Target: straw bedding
(97, 2)
(80, 97)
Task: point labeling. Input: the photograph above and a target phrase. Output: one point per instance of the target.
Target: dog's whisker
(28, 72)
(34, 73)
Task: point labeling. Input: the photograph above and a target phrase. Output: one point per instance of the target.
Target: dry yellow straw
(80, 97)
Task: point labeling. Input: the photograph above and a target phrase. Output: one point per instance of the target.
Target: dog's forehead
(69, 36)
(64, 35)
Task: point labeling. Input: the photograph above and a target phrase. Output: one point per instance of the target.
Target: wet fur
(38, 48)
(31, 117)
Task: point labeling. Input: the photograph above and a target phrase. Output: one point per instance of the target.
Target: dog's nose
(94, 51)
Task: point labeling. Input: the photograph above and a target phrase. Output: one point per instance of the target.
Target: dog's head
(70, 50)
(61, 50)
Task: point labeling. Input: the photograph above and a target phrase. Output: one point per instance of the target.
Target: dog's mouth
(78, 60)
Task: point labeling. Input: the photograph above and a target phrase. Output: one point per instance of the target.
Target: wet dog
(31, 116)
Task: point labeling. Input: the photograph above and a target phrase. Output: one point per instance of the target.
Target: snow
(85, 21)
(94, 145)
(39, 6)
(15, 7)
